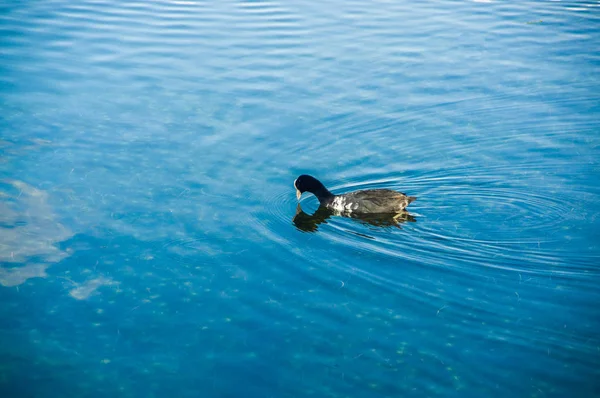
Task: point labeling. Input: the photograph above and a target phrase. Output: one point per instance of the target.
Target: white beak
(298, 193)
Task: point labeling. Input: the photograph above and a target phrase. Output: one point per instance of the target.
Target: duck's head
(306, 183)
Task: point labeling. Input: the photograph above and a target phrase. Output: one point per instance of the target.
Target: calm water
(147, 241)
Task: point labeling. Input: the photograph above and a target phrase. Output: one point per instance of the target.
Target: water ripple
(172, 132)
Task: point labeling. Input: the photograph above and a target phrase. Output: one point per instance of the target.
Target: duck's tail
(411, 199)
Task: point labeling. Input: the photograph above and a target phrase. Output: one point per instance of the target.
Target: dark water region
(151, 243)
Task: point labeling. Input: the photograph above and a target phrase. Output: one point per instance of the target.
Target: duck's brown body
(370, 201)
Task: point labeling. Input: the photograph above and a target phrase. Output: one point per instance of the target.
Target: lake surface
(150, 240)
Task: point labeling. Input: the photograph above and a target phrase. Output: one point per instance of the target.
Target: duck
(367, 201)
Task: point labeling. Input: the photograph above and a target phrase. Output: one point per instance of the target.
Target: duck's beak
(298, 193)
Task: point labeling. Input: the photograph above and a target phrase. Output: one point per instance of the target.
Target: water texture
(151, 244)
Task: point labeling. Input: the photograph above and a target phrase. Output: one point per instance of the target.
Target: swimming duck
(369, 201)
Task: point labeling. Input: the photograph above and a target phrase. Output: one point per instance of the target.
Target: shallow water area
(151, 243)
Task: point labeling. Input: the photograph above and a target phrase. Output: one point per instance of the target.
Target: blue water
(150, 240)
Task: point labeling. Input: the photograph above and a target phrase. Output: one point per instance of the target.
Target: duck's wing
(378, 200)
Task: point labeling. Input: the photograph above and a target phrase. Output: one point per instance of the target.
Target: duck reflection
(310, 223)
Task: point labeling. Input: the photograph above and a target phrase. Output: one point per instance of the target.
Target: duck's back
(372, 201)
